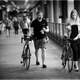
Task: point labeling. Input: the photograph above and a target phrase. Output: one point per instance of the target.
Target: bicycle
(67, 54)
(26, 55)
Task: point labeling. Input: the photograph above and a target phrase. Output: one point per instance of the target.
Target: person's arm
(79, 31)
(68, 26)
(78, 36)
(31, 28)
(46, 28)
(68, 29)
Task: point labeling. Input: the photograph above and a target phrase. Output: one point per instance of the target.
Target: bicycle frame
(26, 55)
(67, 55)
(26, 39)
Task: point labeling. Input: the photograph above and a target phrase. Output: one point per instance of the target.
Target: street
(10, 57)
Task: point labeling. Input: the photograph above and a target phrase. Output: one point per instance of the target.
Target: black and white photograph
(39, 39)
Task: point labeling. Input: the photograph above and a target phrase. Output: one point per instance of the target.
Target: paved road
(10, 57)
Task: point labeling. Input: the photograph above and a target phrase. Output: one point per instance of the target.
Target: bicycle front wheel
(70, 65)
(27, 60)
(70, 60)
(63, 58)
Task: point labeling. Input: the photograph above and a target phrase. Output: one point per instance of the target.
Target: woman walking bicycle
(8, 26)
(73, 28)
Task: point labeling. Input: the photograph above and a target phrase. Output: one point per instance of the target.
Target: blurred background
(54, 10)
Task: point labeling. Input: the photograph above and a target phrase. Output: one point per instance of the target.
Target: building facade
(57, 10)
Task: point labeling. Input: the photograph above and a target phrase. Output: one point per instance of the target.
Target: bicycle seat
(26, 37)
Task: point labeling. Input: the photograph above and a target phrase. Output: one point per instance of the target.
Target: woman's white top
(27, 23)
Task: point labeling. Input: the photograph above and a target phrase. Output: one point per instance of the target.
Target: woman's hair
(74, 11)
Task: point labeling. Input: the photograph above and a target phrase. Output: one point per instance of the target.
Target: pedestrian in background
(16, 25)
(8, 26)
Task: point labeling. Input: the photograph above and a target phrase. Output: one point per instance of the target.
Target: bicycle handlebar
(27, 38)
(67, 39)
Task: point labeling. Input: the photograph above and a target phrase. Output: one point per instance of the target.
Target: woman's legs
(75, 55)
(7, 32)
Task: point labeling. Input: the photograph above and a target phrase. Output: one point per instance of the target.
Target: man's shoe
(37, 63)
(76, 68)
(44, 66)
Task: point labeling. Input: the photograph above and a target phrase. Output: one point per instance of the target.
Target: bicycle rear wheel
(27, 59)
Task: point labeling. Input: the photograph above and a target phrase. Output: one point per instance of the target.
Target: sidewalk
(10, 57)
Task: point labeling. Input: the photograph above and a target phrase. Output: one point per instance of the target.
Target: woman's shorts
(7, 27)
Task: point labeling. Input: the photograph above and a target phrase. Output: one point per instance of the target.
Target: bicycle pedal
(21, 62)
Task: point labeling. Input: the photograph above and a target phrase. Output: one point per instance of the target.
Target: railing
(57, 31)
